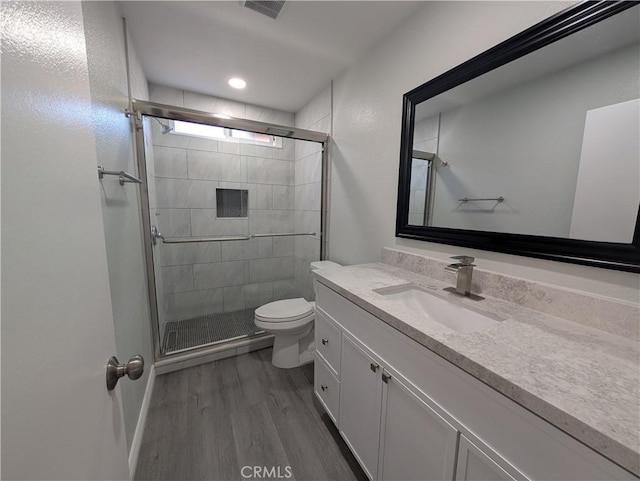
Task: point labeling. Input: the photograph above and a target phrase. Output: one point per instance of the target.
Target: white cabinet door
(360, 403)
(416, 442)
(476, 464)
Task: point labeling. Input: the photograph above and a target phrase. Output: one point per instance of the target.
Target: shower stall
(234, 213)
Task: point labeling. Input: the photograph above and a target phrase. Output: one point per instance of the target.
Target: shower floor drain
(209, 329)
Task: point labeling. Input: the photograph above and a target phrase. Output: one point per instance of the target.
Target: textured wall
(120, 204)
(367, 108)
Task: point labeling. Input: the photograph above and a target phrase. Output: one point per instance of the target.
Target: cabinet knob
(374, 366)
(386, 377)
(325, 341)
(323, 387)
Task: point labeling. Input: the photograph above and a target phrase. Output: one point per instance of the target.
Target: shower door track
(169, 112)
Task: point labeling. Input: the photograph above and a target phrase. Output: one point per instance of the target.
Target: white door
(360, 402)
(610, 132)
(58, 419)
(416, 443)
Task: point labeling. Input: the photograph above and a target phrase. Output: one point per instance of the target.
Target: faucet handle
(464, 260)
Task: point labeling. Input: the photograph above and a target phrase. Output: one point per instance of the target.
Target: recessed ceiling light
(221, 116)
(237, 83)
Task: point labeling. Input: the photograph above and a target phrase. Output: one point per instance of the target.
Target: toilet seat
(286, 327)
(287, 310)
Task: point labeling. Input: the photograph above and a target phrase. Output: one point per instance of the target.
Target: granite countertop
(583, 380)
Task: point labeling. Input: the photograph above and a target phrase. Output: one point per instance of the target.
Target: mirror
(533, 147)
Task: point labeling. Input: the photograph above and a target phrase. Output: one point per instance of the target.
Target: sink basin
(443, 311)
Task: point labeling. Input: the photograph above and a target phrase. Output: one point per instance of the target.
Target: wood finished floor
(208, 421)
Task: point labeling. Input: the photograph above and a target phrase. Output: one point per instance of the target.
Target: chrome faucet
(464, 269)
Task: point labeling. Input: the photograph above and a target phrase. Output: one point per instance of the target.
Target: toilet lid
(286, 310)
(323, 265)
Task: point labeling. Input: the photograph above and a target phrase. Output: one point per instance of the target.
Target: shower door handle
(134, 369)
(155, 235)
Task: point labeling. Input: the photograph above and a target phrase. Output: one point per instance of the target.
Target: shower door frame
(170, 112)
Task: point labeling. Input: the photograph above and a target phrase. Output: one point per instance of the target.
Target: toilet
(291, 322)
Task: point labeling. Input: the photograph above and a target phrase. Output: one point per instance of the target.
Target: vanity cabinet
(389, 426)
(407, 413)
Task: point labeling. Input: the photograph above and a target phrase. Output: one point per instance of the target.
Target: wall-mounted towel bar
(123, 176)
(497, 199)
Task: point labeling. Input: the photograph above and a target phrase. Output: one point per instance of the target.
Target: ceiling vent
(269, 8)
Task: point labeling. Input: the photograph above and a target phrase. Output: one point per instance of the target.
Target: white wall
(367, 108)
(120, 204)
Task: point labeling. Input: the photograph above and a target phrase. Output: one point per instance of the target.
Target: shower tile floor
(209, 329)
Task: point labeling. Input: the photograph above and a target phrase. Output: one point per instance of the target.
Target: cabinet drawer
(328, 342)
(327, 388)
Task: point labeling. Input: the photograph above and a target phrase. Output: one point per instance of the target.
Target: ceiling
(199, 45)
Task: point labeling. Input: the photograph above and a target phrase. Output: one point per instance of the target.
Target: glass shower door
(240, 217)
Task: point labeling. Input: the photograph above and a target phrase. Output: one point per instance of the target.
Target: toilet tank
(323, 265)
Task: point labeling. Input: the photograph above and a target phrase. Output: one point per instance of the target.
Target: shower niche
(238, 213)
(232, 203)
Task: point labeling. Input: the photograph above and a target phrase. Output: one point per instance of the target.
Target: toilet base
(307, 357)
(293, 351)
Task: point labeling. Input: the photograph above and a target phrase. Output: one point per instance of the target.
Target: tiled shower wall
(315, 115)
(210, 277)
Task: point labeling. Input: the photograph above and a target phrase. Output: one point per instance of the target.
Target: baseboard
(136, 443)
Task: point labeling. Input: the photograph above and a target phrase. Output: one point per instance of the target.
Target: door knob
(134, 369)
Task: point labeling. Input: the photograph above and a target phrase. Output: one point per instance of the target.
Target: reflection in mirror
(421, 187)
(554, 133)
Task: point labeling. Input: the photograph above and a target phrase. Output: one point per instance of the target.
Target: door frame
(169, 112)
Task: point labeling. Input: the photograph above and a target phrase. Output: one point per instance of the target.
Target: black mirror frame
(609, 255)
